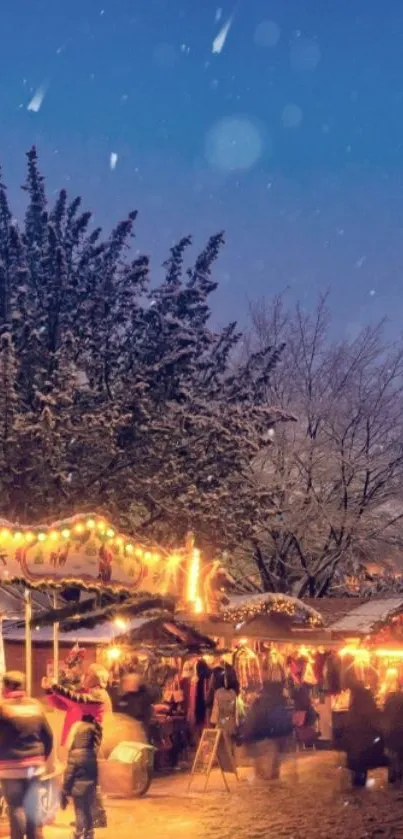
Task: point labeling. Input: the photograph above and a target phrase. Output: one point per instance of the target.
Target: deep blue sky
(304, 102)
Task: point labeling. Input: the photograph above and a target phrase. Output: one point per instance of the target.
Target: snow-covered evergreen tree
(119, 397)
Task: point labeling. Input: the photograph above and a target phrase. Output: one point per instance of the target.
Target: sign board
(214, 747)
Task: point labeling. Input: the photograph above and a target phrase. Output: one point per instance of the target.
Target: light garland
(272, 604)
(78, 529)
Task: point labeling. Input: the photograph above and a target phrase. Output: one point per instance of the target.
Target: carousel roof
(246, 607)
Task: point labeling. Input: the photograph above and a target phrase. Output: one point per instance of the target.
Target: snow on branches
(116, 398)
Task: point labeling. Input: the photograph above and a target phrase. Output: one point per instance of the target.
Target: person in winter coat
(26, 742)
(94, 700)
(267, 729)
(393, 734)
(81, 775)
(363, 738)
(135, 701)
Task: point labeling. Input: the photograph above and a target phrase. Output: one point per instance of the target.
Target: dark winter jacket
(392, 723)
(137, 705)
(363, 735)
(269, 717)
(82, 761)
(222, 677)
(26, 739)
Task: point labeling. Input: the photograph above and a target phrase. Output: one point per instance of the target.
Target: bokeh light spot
(267, 34)
(233, 144)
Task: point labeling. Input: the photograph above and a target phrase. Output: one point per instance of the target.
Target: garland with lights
(247, 608)
(76, 528)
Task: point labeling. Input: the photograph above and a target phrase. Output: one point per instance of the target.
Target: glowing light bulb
(119, 541)
(139, 553)
(120, 623)
(90, 524)
(66, 533)
(110, 532)
(101, 526)
(5, 533)
(29, 537)
(79, 528)
(147, 556)
(114, 653)
(17, 535)
(41, 537)
(54, 535)
(129, 549)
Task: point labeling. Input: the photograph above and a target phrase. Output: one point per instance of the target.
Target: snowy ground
(313, 800)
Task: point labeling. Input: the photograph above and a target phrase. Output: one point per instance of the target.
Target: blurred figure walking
(26, 742)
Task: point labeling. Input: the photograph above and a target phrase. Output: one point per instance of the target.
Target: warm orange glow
(120, 623)
(66, 533)
(90, 524)
(359, 653)
(110, 532)
(381, 653)
(193, 580)
(147, 556)
(198, 606)
(5, 533)
(139, 553)
(114, 653)
(18, 535)
(129, 549)
(79, 528)
(29, 537)
(119, 541)
(41, 537)
(54, 535)
(101, 526)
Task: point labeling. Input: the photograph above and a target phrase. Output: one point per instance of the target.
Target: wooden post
(55, 644)
(28, 642)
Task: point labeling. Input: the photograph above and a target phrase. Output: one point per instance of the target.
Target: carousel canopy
(86, 551)
(246, 608)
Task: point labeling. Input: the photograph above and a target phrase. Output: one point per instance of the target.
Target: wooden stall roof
(354, 616)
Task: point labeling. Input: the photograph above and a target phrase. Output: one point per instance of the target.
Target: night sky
(287, 133)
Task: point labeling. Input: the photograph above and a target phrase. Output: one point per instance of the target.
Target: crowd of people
(266, 730)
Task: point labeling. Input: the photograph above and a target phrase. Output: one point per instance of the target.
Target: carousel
(97, 575)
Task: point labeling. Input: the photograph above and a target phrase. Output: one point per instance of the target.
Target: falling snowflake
(360, 262)
(220, 39)
(113, 160)
(37, 99)
(372, 292)
(218, 15)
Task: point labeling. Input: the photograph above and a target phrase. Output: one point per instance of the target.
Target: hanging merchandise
(248, 671)
(273, 666)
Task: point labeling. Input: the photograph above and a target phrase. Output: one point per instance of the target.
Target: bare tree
(336, 475)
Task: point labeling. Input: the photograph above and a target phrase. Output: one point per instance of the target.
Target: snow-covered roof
(101, 634)
(368, 616)
(248, 606)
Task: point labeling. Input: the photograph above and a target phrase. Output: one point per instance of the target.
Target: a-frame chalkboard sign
(214, 747)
